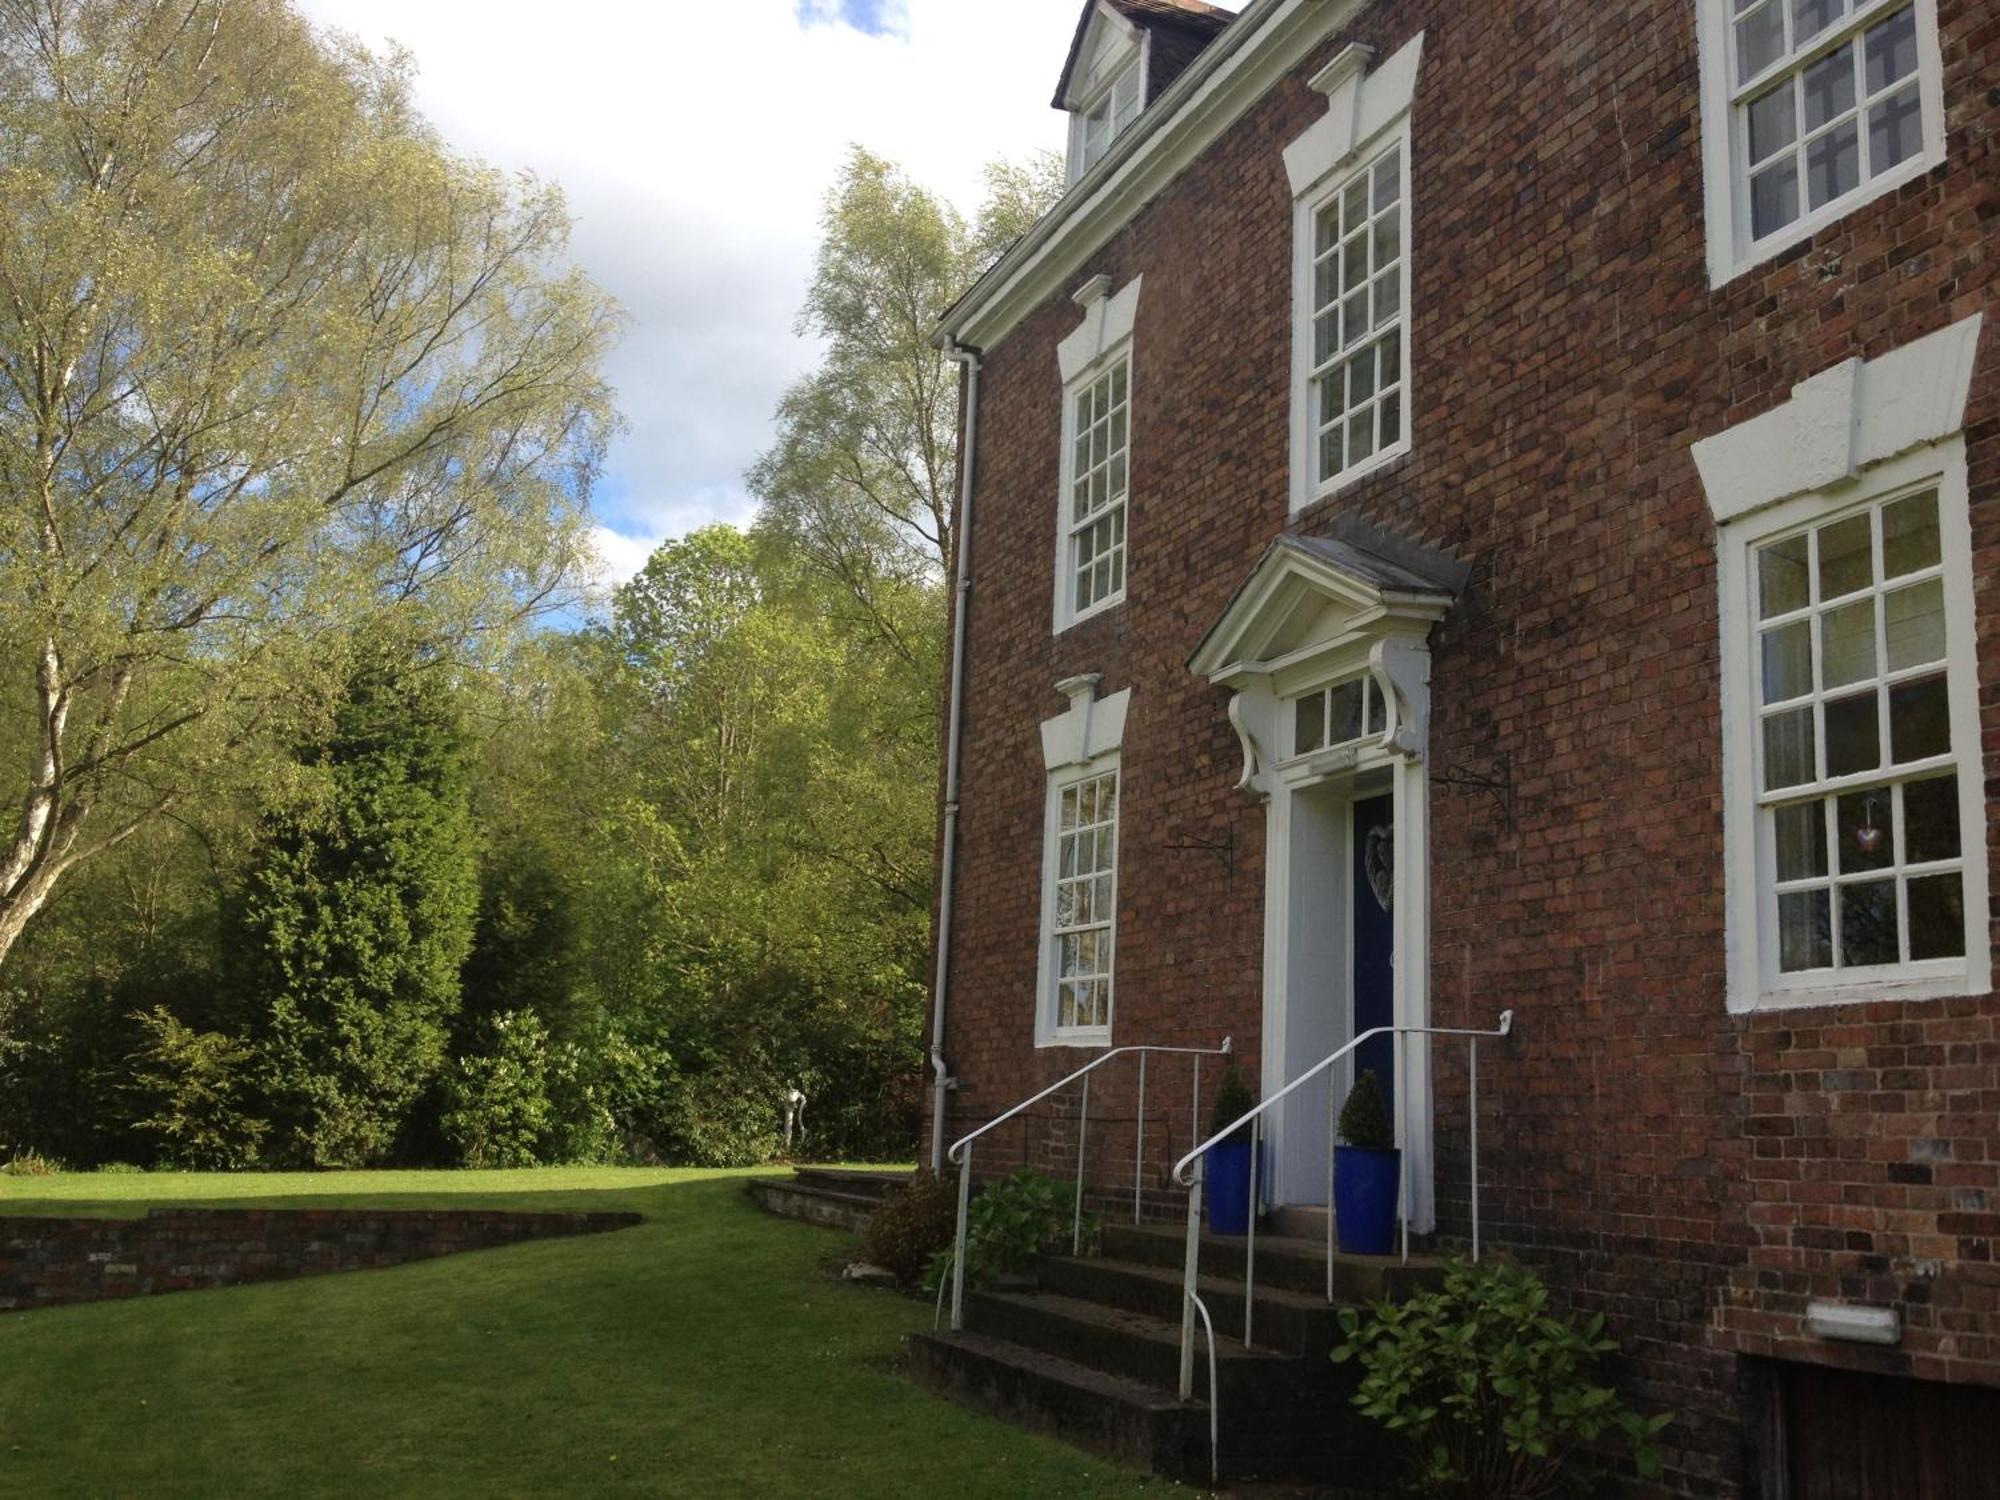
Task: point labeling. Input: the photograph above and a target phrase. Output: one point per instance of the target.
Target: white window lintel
(1088, 728)
(1841, 421)
(1108, 319)
(1360, 106)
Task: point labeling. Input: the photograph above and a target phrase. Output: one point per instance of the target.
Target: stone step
(1300, 1323)
(1125, 1419)
(789, 1199)
(1284, 1262)
(858, 1182)
(1140, 1347)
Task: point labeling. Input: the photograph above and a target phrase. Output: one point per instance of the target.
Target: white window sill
(1383, 460)
(1096, 1037)
(1773, 245)
(1933, 986)
(1101, 607)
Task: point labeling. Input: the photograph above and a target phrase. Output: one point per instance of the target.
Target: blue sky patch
(875, 17)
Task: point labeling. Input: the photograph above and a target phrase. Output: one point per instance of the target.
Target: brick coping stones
(49, 1262)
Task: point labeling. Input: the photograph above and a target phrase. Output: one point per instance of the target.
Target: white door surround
(1351, 616)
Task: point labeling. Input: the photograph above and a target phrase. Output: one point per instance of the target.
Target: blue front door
(1374, 939)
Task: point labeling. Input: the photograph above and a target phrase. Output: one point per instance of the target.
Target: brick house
(1476, 507)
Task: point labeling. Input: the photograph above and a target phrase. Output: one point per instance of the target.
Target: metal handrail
(1254, 1118)
(961, 1149)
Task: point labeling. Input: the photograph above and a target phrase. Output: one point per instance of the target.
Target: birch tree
(273, 363)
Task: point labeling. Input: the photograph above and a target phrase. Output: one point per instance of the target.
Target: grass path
(706, 1353)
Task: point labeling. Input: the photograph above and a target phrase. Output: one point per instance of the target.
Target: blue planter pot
(1366, 1185)
(1228, 1188)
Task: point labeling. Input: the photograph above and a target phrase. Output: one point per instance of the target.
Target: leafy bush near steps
(1495, 1394)
(913, 1224)
(1010, 1224)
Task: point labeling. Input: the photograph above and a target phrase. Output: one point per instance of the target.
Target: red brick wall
(1694, 1175)
(45, 1262)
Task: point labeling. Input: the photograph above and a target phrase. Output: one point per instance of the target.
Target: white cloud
(696, 139)
(620, 557)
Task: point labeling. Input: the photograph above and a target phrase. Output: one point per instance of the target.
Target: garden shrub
(31, 1164)
(196, 1087)
(497, 1103)
(1233, 1100)
(1494, 1393)
(913, 1224)
(1011, 1224)
(1364, 1118)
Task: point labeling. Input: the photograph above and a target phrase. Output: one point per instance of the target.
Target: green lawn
(707, 1352)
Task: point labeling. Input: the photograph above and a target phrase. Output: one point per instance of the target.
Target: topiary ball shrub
(1496, 1396)
(1233, 1100)
(913, 1224)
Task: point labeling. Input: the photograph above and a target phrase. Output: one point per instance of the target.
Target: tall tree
(273, 363)
(358, 916)
(860, 478)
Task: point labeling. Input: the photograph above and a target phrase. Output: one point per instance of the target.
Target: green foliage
(371, 392)
(30, 1164)
(198, 1088)
(1233, 1100)
(1494, 1394)
(1010, 1225)
(497, 1110)
(912, 1225)
(1364, 1118)
(357, 915)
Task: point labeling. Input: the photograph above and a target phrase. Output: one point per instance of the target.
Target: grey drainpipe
(944, 1083)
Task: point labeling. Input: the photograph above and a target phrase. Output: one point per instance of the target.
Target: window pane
(1391, 350)
(1892, 49)
(1788, 662)
(1781, 577)
(1378, 712)
(1326, 228)
(1354, 316)
(1829, 87)
(1309, 723)
(1788, 748)
(1344, 713)
(1774, 121)
(1392, 418)
(1387, 239)
(1805, 932)
(1937, 917)
(1388, 295)
(1107, 809)
(1354, 260)
(1867, 835)
(1811, 17)
(1914, 620)
(1360, 437)
(1868, 924)
(1833, 164)
(1909, 535)
(1919, 720)
(1361, 377)
(1329, 453)
(1853, 735)
(1844, 561)
(1388, 179)
(1354, 204)
(1801, 830)
(1760, 39)
(1847, 643)
(1930, 820)
(1774, 198)
(1895, 130)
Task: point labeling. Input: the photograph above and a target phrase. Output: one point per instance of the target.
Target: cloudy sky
(696, 139)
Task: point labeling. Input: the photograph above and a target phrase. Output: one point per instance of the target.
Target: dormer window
(1094, 127)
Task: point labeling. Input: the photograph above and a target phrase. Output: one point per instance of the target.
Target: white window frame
(1080, 744)
(1724, 132)
(1755, 980)
(1097, 346)
(1368, 114)
(1305, 417)
(1080, 160)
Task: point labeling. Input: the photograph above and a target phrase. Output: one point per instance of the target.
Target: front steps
(837, 1197)
(1093, 1356)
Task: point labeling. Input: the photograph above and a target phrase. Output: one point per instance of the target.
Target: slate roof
(1180, 28)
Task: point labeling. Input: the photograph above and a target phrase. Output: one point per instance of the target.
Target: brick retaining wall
(45, 1262)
